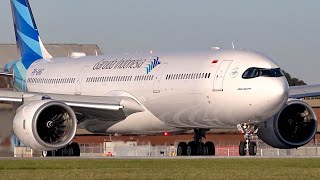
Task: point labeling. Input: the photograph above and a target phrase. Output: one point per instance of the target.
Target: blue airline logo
(153, 63)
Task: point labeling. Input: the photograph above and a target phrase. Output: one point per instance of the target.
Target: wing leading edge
(298, 92)
(90, 106)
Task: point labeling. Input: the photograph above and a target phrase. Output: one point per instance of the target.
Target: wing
(304, 91)
(86, 107)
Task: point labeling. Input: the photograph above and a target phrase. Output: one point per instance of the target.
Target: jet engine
(294, 126)
(45, 124)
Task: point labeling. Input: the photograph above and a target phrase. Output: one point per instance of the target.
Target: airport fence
(132, 149)
(123, 149)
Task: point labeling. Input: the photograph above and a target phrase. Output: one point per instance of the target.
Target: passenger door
(156, 84)
(220, 74)
(79, 80)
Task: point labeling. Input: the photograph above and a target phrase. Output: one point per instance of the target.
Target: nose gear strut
(248, 145)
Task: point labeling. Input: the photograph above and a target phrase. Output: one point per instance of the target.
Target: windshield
(256, 72)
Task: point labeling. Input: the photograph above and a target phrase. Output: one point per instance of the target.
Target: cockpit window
(251, 73)
(256, 72)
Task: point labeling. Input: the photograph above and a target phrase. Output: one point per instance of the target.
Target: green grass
(161, 169)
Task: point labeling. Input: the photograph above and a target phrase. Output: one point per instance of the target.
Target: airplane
(144, 94)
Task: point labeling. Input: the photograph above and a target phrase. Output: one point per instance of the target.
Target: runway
(159, 157)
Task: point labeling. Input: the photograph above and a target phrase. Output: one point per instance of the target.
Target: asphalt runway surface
(159, 157)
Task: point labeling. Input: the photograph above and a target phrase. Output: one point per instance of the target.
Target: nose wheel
(244, 148)
(248, 145)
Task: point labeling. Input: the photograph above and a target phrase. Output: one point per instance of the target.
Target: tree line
(294, 81)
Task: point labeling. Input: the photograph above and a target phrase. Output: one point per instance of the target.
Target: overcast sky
(286, 30)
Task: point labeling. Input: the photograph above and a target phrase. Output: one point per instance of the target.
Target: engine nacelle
(294, 126)
(45, 124)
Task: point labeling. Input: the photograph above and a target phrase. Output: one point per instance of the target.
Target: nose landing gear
(247, 146)
(196, 147)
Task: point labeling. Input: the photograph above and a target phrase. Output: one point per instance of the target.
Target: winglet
(27, 36)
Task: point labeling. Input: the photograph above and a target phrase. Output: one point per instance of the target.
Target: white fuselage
(184, 90)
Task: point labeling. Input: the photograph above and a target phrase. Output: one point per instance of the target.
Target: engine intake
(294, 126)
(45, 124)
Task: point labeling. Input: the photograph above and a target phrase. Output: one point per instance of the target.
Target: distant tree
(294, 81)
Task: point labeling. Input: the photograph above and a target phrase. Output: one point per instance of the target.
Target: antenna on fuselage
(215, 48)
(232, 45)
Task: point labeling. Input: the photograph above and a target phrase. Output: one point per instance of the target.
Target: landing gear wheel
(252, 148)
(54, 153)
(76, 149)
(211, 151)
(48, 154)
(192, 149)
(196, 147)
(182, 149)
(203, 151)
(249, 131)
(72, 149)
(242, 148)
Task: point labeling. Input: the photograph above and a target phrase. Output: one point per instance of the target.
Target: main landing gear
(248, 145)
(196, 147)
(72, 149)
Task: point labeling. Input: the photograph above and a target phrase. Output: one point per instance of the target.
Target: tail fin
(27, 36)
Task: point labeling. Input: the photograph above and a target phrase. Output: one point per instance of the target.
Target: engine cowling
(45, 124)
(294, 126)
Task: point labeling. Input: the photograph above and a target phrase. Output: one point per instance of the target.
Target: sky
(286, 30)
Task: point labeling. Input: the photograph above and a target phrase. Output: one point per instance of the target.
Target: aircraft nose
(279, 89)
(279, 93)
(275, 95)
